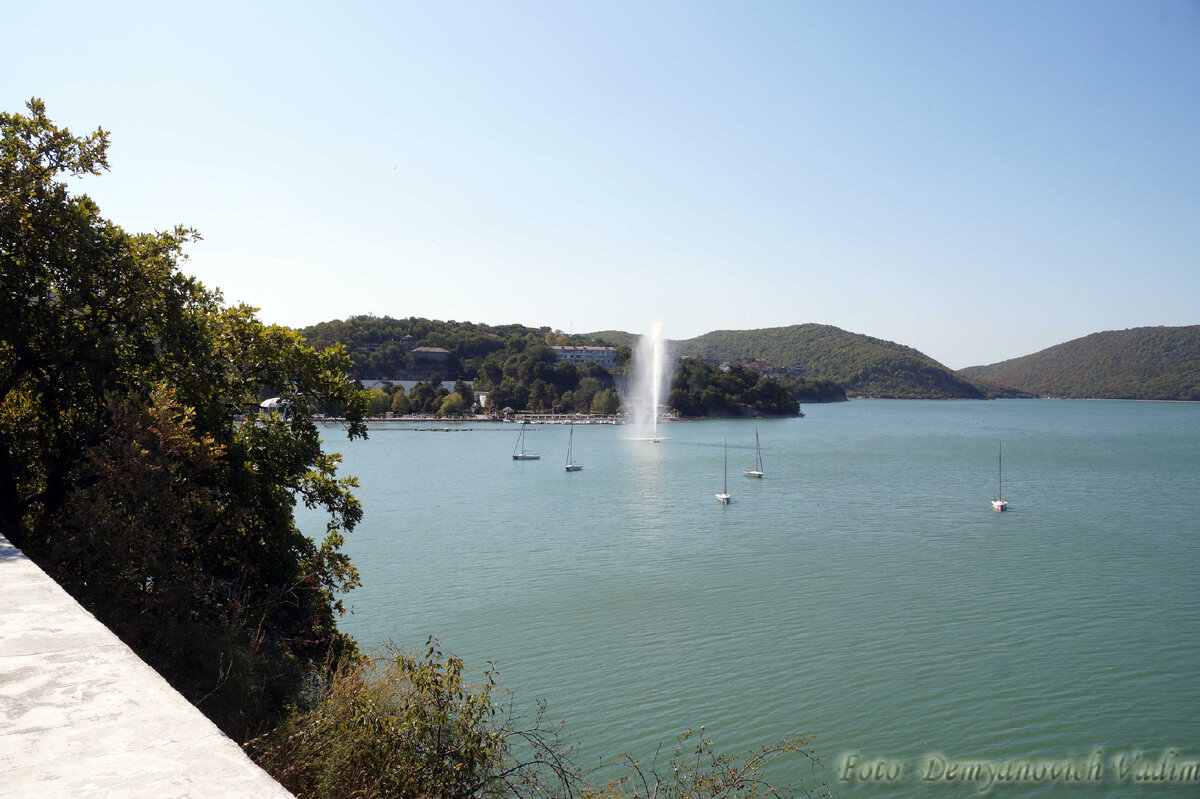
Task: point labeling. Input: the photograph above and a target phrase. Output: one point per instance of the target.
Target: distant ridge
(863, 365)
(1146, 363)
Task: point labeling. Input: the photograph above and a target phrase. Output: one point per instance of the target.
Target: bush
(406, 724)
(409, 725)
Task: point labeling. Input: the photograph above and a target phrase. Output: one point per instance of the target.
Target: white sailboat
(519, 451)
(1000, 504)
(572, 466)
(725, 497)
(757, 471)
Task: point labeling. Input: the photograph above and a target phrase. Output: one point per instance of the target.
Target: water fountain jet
(649, 382)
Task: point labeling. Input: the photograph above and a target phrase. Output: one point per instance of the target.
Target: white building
(604, 356)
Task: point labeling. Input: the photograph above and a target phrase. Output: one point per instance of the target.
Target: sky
(976, 180)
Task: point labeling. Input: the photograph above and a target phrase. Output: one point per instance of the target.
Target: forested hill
(617, 338)
(1152, 363)
(862, 365)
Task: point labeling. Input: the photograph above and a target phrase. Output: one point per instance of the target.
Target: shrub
(408, 724)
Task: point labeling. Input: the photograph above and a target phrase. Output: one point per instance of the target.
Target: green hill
(1152, 363)
(615, 338)
(864, 366)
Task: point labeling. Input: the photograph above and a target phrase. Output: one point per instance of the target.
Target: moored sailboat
(1000, 504)
(725, 497)
(571, 465)
(757, 471)
(519, 451)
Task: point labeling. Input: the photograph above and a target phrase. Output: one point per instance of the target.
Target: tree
(490, 374)
(588, 387)
(400, 404)
(509, 394)
(606, 402)
(566, 377)
(378, 402)
(409, 724)
(452, 405)
(127, 388)
(541, 395)
(466, 392)
(422, 397)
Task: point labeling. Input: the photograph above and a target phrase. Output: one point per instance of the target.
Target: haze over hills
(863, 365)
(1148, 363)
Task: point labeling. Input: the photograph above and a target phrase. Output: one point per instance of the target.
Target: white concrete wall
(82, 716)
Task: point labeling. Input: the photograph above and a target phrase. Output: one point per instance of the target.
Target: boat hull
(999, 505)
(573, 467)
(753, 473)
(724, 499)
(527, 456)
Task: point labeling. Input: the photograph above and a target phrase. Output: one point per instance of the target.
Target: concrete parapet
(82, 716)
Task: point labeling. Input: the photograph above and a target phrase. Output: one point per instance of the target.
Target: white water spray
(650, 381)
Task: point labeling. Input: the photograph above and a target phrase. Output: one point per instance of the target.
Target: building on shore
(603, 356)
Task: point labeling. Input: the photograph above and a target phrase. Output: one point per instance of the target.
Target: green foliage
(513, 363)
(862, 365)
(378, 402)
(1146, 363)
(411, 725)
(468, 395)
(136, 465)
(452, 405)
(606, 402)
(805, 389)
(701, 389)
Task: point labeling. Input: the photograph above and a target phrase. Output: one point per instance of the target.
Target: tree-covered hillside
(378, 349)
(515, 364)
(1153, 363)
(616, 338)
(862, 365)
(700, 389)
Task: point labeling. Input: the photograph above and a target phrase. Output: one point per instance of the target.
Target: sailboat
(1000, 504)
(725, 497)
(572, 467)
(519, 451)
(757, 470)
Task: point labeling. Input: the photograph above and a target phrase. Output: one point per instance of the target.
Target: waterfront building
(604, 356)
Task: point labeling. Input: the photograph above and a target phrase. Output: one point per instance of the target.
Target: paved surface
(82, 716)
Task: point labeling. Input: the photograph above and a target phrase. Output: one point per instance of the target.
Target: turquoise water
(863, 591)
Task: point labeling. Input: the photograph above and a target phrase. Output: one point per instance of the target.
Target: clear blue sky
(976, 180)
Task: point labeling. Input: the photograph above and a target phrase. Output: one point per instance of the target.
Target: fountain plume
(650, 381)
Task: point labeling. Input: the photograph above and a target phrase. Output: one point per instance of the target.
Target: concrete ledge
(82, 716)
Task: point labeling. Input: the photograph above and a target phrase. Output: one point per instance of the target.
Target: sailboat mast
(1000, 473)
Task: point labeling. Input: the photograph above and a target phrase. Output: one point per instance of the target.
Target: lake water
(863, 591)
